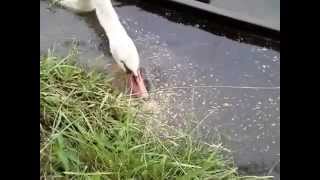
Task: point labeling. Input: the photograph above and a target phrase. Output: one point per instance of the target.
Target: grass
(91, 131)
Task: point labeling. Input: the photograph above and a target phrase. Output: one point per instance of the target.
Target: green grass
(90, 131)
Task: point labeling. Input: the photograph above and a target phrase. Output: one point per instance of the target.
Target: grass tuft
(90, 131)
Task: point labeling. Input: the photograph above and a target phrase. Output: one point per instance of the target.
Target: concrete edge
(226, 13)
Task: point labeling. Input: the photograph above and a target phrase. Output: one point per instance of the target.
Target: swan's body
(122, 48)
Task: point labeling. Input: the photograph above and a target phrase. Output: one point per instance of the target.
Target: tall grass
(90, 131)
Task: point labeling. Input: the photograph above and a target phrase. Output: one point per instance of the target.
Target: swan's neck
(108, 18)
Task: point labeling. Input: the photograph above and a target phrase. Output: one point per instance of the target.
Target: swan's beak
(137, 85)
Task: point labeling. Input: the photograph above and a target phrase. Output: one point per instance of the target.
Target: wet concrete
(224, 83)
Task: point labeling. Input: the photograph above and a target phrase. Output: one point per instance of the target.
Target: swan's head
(126, 55)
(136, 80)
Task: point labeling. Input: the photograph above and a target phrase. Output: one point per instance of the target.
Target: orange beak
(137, 86)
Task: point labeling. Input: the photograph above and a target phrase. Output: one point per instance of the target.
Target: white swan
(122, 47)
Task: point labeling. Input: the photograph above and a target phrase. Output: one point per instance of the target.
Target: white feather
(122, 47)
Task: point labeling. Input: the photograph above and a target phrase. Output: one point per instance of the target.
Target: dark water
(226, 81)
